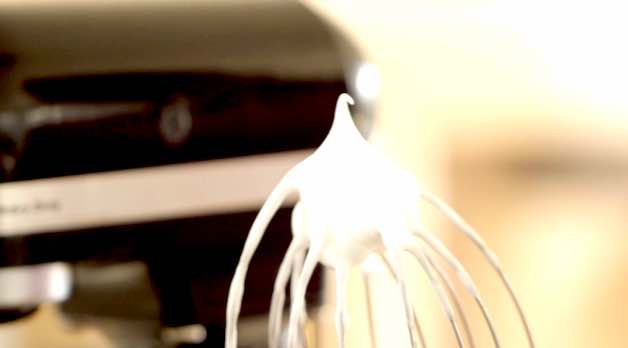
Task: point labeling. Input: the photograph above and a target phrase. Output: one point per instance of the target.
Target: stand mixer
(137, 141)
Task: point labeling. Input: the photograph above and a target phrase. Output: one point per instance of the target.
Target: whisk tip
(345, 98)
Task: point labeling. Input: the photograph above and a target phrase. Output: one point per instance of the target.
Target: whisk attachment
(354, 204)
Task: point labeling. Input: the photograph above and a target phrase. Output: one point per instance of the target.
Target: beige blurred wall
(517, 113)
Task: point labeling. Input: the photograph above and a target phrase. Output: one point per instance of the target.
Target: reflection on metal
(29, 286)
(367, 81)
(175, 122)
(188, 334)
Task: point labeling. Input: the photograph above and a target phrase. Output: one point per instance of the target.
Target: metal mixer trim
(139, 195)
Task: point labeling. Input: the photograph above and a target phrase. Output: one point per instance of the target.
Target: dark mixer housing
(72, 107)
(188, 259)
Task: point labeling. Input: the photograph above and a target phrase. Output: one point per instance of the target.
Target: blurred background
(515, 113)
